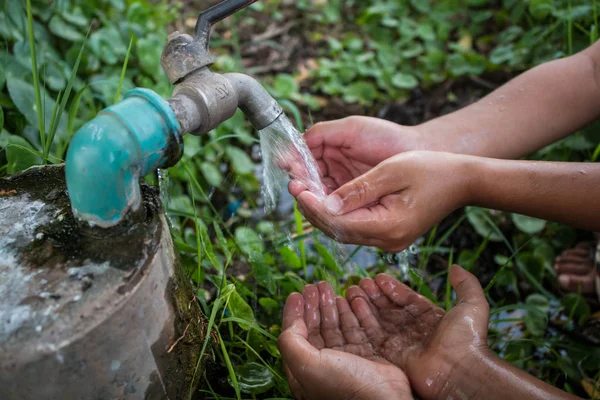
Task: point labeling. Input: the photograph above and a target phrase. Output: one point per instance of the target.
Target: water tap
(108, 155)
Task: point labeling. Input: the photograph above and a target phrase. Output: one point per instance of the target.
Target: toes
(377, 297)
(330, 321)
(351, 329)
(312, 316)
(573, 283)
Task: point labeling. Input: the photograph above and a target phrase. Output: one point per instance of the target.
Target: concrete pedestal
(91, 313)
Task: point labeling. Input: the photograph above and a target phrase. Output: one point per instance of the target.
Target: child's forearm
(489, 377)
(564, 192)
(533, 110)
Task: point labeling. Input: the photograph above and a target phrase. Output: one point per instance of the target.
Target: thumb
(362, 191)
(295, 349)
(468, 289)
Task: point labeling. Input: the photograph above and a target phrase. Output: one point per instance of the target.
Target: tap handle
(215, 14)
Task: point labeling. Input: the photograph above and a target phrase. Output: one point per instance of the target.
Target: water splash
(165, 198)
(284, 151)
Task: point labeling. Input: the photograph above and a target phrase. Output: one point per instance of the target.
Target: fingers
(293, 310)
(312, 316)
(368, 321)
(573, 268)
(295, 187)
(295, 387)
(364, 190)
(330, 320)
(403, 296)
(377, 297)
(333, 133)
(295, 349)
(351, 329)
(296, 352)
(363, 226)
(574, 283)
(467, 287)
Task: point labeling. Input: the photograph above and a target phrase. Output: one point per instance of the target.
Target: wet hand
(327, 355)
(421, 338)
(393, 204)
(347, 148)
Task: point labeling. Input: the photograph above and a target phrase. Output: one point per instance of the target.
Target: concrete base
(91, 313)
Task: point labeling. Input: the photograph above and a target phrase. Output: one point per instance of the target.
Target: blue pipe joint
(108, 156)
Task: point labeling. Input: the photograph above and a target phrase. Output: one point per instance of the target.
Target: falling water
(163, 186)
(283, 149)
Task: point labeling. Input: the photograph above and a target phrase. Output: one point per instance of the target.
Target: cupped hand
(327, 355)
(393, 204)
(347, 148)
(421, 338)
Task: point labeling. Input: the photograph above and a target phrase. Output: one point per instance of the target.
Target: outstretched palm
(347, 148)
(416, 335)
(327, 355)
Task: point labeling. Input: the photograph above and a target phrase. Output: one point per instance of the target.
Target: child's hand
(347, 148)
(393, 204)
(445, 355)
(419, 337)
(328, 356)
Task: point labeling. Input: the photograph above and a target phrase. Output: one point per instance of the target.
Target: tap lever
(215, 14)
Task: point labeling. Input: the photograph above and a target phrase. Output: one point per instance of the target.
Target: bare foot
(327, 354)
(575, 268)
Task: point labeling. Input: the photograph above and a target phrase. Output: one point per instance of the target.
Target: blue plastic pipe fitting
(108, 156)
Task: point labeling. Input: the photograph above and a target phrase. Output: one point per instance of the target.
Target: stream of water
(283, 149)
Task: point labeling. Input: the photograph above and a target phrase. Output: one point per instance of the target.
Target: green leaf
(64, 30)
(2, 76)
(222, 240)
(211, 173)
(540, 9)
(290, 258)
(476, 217)
(76, 16)
(240, 161)
(285, 86)
(249, 241)
(149, 50)
(535, 318)
(535, 322)
(328, 259)
(20, 155)
(206, 243)
(269, 304)
(360, 92)
(23, 95)
(405, 81)
(422, 286)
(1, 119)
(263, 274)
(238, 307)
(576, 307)
(254, 378)
(539, 301)
(527, 224)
